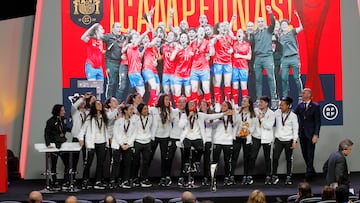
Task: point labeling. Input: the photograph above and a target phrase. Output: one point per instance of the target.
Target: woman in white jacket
(245, 126)
(192, 123)
(97, 139)
(122, 145)
(263, 136)
(142, 145)
(224, 130)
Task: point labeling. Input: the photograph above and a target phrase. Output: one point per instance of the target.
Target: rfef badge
(86, 12)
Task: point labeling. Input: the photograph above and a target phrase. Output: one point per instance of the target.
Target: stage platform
(18, 190)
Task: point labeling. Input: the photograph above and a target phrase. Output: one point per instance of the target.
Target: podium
(65, 147)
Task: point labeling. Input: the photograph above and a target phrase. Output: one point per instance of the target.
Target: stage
(18, 190)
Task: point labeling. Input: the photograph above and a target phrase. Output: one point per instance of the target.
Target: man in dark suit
(335, 167)
(308, 113)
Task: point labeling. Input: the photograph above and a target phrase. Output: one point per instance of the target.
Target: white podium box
(65, 147)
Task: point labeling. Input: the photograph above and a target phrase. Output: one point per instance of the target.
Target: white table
(65, 147)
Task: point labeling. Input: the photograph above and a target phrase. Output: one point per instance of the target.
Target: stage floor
(18, 190)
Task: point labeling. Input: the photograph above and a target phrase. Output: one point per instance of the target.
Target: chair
(291, 198)
(175, 200)
(140, 201)
(83, 201)
(117, 201)
(328, 201)
(310, 200)
(48, 201)
(10, 201)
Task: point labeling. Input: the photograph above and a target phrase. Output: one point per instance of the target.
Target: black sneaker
(226, 181)
(65, 186)
(135, 182)
(126, 184)
(274, 180)
(168, 181)
(112, 184)
(250, 180)
(145, 183)
(244, 180)
(180, 181)
(268, 180)
(205, 182)
(99, 186)
(162, 182)
(85, 185)
(56, 186)
(196, 168)
(288, 180)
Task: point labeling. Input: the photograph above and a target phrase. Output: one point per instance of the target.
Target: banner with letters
(319, 43)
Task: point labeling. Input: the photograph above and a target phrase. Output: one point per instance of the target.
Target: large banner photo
(204, 50)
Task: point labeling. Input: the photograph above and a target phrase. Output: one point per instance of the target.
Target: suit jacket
(309, 119)
(336, 168)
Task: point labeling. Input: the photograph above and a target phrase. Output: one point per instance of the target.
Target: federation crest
(86, 12)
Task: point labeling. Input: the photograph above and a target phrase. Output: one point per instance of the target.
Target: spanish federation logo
(86, 12)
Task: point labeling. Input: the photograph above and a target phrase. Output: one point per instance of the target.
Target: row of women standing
(133, 132)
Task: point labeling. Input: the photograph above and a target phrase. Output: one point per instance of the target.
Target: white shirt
(264, 128)
(287, 126)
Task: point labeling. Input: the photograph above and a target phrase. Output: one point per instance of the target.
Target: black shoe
(288, 180)
(56, 186)
(187, 168)
(196, 167)
(126, 184)
(162, 182)
(226, 181)
(65, 186)
(135, 182)
(146, 183)
(181, 181)
(99, 186)
(274, 180)
(168, 181)
(244, 180)
(249, 180)
(205, 182)
(268, 180)
(85, 185)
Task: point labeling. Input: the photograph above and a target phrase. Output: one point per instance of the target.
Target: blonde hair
(257, 197)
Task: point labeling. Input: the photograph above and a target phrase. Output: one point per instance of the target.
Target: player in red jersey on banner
(95, 51)
(200, 69)
(240, 70)
(134, 60)
(149, 72)
(169, 66)
(182, 57)
(221, 47)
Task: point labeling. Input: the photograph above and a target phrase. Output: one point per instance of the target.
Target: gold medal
(191, 130)
(226, 131)
(99, 131)
(144, 131)
(163, 125)
(62, 135)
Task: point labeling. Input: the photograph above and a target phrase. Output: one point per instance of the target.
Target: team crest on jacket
(86, 12)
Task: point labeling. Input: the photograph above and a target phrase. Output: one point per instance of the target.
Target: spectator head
(35, 197)
(109, 199)
(304, 190)
(345, 146)
(71, 199)
(342, 194)
(188, 197)
(328, 193)
(256, 196)
(148, 199)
